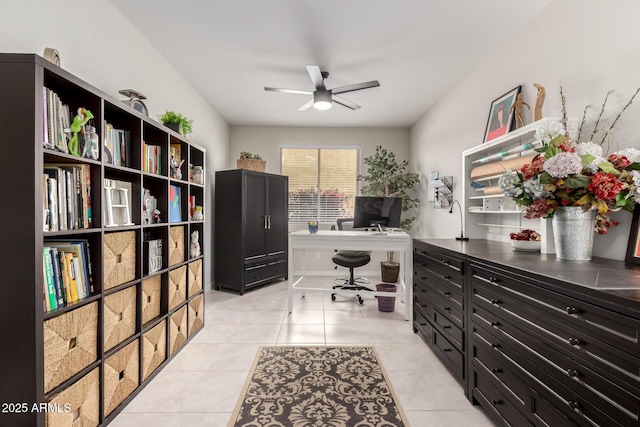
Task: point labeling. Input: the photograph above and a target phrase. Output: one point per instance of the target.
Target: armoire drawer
(451, 354)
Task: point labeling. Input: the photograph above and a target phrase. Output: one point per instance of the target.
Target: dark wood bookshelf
(24, 323)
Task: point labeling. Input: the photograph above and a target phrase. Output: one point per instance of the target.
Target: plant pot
(389, 271)
(173, 126)
(257, 165)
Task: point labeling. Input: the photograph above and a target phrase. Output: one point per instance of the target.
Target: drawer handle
(447, 309)
(572, 373)
(423, 278)
(494, 279)
(496, 370)
(574, 405)
(447, 293)
(495, 345)
(422, 264)
(495, 301)
(494, 324)
(574, 341)
(446, 327)
(496, 402)
(572, 310)
(445, 262)
(447, 277)
(423, 324)
(446, 350)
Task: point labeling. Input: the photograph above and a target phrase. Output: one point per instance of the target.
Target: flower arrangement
(568, 173)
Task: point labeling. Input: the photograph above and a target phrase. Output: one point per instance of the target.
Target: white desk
(354, 240)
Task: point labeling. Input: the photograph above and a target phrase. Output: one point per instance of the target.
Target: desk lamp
(461, 237)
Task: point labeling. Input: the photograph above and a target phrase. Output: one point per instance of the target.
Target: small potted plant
(176, 122)
(252, 162)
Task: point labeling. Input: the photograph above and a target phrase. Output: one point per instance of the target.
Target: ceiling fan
(323, 97)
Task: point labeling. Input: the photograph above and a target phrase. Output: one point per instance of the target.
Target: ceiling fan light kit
(323, 98)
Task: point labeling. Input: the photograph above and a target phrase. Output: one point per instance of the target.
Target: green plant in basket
(171, 117)
(244, 155)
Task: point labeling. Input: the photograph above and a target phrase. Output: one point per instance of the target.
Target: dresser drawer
(427, 295)
(544, 414)
(576, 344)
(423, 327)
(490, 397)
(600, 323)
(256, 273)
(450, 353)
(443, 287)
(578, 390)
(443, 266)
(487, 360)
(452, 332)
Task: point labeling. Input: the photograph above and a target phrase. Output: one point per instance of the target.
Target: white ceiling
(229, 50)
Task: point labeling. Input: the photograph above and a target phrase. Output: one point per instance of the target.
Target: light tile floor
(200, 387)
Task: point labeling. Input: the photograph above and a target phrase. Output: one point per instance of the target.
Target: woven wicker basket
(119, 258)
(177, 330)
(151, 291)
(154, 349)
(177, 286)
(195, 277)
(251, 164)
(176, 245)
(70, 344)
(119, 317)
(83, 398)
(120, 376)
(196, 314)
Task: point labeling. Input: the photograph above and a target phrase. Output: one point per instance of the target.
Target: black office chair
(350, 260)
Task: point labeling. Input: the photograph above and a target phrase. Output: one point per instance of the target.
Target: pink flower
(619, 162)
(604, 185)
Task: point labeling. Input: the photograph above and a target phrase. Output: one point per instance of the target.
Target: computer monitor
(374, 211)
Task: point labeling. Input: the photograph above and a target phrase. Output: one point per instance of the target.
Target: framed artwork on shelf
(175, 204)
(501, 115)
(633, 247)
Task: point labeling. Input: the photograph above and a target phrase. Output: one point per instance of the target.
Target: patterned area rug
(317, 387)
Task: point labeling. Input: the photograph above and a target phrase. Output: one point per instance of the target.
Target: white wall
(267, 141)
(588, 46)
(97, 44)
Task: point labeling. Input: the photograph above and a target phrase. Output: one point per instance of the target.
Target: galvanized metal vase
(573, 231)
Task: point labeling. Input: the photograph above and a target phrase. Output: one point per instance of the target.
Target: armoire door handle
(269, 222)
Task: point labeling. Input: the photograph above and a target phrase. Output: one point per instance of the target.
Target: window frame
(320, 147)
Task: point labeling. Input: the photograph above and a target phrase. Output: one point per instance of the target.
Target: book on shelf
(68, 196)
(67, 272)
(56, 118)
(152, 158)
(117, 146)
(175, 204)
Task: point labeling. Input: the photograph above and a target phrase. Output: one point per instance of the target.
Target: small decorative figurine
(79, 121)
(175, 164)
(537, 109)
(197, 214)
(517, 107)
(194, 247)
(156, 216)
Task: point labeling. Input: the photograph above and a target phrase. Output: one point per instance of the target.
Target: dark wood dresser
(534, 340)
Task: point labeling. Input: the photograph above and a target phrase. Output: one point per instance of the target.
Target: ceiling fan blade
(357, 86)
(306, 106)
(345, 102)
(296, 91)
(316, 77)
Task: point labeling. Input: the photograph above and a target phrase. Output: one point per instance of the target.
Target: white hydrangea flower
(534, 188)
(593, 149)
(589, 148)
(630, 153)
(509, 184)
(548, 131)
(563, 164)
(635, 176)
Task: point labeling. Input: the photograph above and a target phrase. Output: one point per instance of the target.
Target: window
(322, 182)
